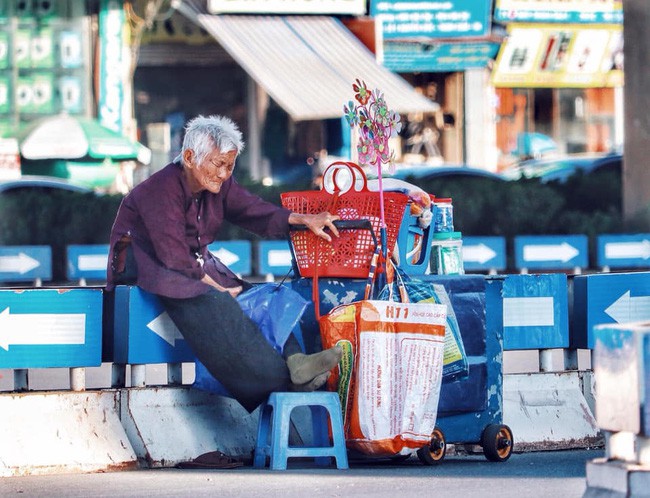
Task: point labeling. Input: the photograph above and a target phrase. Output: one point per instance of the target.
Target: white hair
(203, 134)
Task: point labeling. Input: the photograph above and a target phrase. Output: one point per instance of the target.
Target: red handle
(353, 168)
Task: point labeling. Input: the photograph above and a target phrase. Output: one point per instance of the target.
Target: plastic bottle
(447, 253)
(443, 215)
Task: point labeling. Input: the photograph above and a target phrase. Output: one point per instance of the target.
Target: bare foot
(312, 385)
(304, 368)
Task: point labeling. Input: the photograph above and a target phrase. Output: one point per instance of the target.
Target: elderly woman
(160, 239)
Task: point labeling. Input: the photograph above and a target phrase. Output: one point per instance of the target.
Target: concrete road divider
(46, 433)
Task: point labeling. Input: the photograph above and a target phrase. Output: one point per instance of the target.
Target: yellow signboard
(560, 56)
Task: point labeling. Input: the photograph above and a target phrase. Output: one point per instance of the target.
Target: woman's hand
(317, 223)
(233, 291)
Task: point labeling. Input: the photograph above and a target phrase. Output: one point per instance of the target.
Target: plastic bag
(277, 310)
(390, 375)
(455, 364)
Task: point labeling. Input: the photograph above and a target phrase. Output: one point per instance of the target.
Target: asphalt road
(530, 475)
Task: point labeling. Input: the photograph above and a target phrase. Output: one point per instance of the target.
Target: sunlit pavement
(540, 474)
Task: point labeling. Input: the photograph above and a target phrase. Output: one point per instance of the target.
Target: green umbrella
(70, 137)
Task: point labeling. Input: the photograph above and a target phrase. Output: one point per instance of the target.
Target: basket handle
(360, 224)
(355, 171)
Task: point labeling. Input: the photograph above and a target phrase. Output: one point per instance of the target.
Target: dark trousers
(231, 346)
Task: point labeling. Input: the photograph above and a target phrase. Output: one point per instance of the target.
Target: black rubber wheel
(434, 452)
(497, 442)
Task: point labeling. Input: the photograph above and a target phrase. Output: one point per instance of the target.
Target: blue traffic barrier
(535, 312)
(484, 253)
(87, 261)
(142, 331)
(551, 252)
(235, 254)
(25, 263)
(274, 257)
(43, 328)
(622, 374)
(624, 251)
(607, 298)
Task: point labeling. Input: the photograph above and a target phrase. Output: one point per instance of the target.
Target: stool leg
(262, 444)
(320, 431)
(340, 451)
(280, 437)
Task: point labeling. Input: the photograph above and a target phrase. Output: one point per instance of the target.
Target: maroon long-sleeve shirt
(169, 229)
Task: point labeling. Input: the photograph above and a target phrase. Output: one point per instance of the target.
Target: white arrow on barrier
(22, 263)
(625, 250)
(227, 257)
(479, 253)
(164, 327)
(279, 257)
(528, 312)
(92, 262)
(550, 252)
(41, 329)
(630, 309)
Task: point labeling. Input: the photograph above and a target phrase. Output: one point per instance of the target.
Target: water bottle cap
(447, 235)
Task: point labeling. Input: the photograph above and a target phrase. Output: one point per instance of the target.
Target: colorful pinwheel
(376, 124)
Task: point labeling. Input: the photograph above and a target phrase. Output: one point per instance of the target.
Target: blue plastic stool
(274, 423)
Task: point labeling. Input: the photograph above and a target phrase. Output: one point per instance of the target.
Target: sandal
(212, 460)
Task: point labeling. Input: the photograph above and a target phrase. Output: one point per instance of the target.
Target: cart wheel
(434, 452)
(497, 442)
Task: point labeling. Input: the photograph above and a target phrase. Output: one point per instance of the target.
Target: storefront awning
(307, 64)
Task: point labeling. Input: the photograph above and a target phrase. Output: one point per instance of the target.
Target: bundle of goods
(390, 375)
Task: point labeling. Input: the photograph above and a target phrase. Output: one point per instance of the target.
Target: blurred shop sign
(443, 19)
(352, 7)
(402, 57)
(9, 159)
(552, 56)
(571, 11)
(112, 22)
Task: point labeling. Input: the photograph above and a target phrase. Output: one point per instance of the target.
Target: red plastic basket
(348, 255)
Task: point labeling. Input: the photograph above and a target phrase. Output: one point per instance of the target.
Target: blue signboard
(535, 312)
(484, 253)
(274, 257)
(551, 252)
(608, 298)
(144, 332)
(87, 261)
(403, 57)
(25, 263)
(235, 254)
(622, 356)
(624, 251)
(46, 328)
(561, 11)
(419, 18)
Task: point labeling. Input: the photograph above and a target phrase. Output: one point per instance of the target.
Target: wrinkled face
(215, 169)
